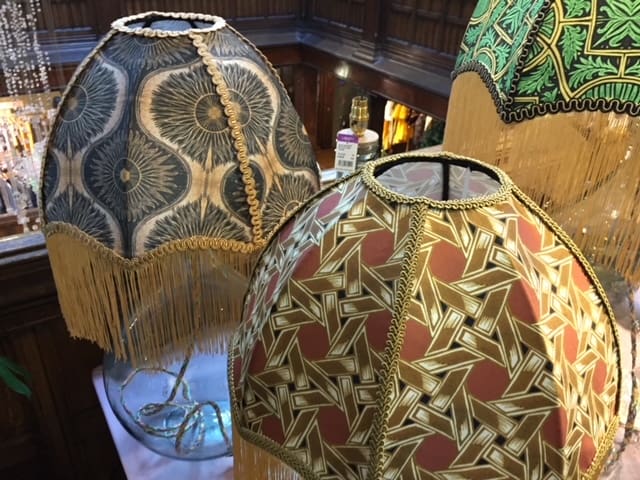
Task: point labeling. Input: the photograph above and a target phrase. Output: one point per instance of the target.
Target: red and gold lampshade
(175, 152)
(423, 318)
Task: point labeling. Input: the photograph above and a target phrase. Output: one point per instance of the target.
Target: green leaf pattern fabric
(546, 56)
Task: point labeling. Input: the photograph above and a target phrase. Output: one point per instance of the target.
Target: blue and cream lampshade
(175, 152)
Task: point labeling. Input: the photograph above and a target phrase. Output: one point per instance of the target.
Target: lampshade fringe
(156, 310)
(252, 462)
(581, 167)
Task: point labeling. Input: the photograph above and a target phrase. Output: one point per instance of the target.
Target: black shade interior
(159, 22)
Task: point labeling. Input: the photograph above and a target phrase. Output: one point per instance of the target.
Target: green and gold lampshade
(423, 319)
(550, 92)
(175, 152)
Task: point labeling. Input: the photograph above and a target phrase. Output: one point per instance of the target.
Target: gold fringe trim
(581, 167)
(252, 462)
(147, 310)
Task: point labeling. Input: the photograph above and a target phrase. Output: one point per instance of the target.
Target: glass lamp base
(179, 410)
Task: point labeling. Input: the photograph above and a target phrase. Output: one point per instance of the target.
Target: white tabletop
(140, 463)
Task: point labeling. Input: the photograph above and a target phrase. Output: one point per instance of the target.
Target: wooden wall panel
(435, 25)
(343, 14)
(267, 8)
(212, 7)
(228, 9)
(392, 88)
(72, 14)
(305, 97)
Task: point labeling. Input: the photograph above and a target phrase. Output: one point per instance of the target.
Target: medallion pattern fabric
(546, 56)
(169, 142)
(392, 335)
(142, 124)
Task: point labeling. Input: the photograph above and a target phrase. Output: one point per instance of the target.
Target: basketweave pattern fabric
(495, 381)
(505, 364)
(280, 258)
(311, 383)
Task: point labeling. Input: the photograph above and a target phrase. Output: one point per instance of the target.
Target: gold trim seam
(604, 449)
(240, 143)
(260, 441)
(181, 245)
(395, 338)
(568, 242)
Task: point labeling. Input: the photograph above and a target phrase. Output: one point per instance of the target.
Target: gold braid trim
(395, 339)
(247, 436)
(56, 117)
(604, 449)
(275, 73)
(507, 189)
(238, 136)
(369, 178)
(257, 457)
(120, 25)
(181, 245)
(151, 309)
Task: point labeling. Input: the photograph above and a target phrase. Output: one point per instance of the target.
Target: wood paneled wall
(433, 26)
(422, 34)
(64, 18)
(343, 14)
(60, 433)
(425, 26)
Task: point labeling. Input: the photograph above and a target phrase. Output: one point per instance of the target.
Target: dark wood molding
(105, 13)
(370, 40)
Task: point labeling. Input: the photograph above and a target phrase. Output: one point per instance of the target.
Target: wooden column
(326, 94)
(305, 98)
(373, 21)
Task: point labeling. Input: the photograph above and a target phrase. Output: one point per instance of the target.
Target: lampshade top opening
(168, 23)
(443, 180)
